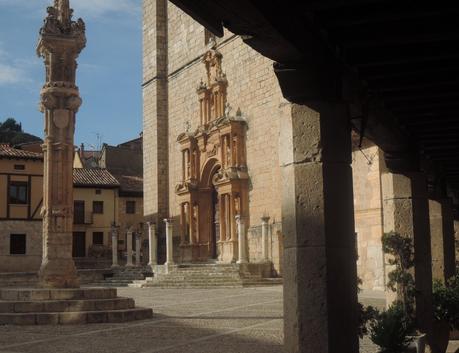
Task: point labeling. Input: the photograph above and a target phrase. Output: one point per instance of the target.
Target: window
(18, 192)
(130, 207)
(19, 167)
(78, 212)
(98, 238)
(98, 207)
(98, 191)
(17, 244)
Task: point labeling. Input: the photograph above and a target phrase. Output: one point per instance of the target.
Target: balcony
(80, 218)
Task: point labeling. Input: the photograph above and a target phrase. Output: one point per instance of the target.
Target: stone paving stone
(193, 321)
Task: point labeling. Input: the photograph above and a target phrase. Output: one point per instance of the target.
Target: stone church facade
(221, 109)
(213, 111)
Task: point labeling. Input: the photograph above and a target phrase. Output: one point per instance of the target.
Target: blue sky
(109, 73)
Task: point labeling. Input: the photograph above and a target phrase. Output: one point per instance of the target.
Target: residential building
(95, 210)
(21, 194)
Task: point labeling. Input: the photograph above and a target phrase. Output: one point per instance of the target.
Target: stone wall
(275, 246)
(29, 262)
(368, 217)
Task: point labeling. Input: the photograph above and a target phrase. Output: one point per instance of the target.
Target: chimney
(82, 151)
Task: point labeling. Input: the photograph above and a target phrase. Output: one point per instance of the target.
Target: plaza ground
(185, 320)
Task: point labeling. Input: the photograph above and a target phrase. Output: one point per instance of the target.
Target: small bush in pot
(445, 300)
(391, 328)
(394, 330)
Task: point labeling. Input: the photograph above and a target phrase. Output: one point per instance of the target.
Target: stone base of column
(228, 251)
(68, 307)
(58, 273)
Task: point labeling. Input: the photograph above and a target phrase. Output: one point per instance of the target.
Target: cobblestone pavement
(192, 321)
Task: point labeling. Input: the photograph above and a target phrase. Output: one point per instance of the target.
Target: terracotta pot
(440, 335)
(418, 345)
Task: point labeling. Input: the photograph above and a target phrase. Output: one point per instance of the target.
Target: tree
(10, 124)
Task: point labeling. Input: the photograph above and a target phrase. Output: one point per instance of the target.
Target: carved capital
(48, 101)
(73, 103)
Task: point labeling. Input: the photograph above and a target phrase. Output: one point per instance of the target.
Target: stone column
(138, 237)
(406, 211)
(442, 240)
(61, 41)
(264, 237)
(436, 230)
(449, 242)
(114, 247)
(169, 241)
(129, 248)
(242, 258)
(320, 272)
(152, 244)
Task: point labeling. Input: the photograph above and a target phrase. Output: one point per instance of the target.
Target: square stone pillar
(406, 211)
(443, 239)
(449, 241)
(320, 272)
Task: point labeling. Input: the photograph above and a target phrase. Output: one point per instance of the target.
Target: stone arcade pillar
(169, 241)
(264, 238)
(242, 252)
(129, 248)
(61, 41)
(138, 237)
(320, 272)
(442, 239)
(406, 211)
(114, 247)
(152, 244)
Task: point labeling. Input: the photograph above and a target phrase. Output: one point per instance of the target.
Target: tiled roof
(93, 177)
(14, 153)
(130, 183)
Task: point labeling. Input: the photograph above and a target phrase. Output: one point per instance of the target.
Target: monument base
(58, 273)
(38, 306)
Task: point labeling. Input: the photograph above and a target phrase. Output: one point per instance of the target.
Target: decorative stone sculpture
(214, 172)
(61, 41)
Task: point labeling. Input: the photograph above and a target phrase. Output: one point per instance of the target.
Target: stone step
(185, 285)
(48, 306)
(110, 284)
(36, 294)
(75, 318)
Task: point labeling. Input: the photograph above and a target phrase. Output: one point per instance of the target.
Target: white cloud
(13, 71)
(12, 75)
(97, 8)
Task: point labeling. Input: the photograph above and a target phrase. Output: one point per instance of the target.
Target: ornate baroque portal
(214, 186)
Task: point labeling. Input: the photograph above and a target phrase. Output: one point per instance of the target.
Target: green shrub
(391, 328)
(446, 301)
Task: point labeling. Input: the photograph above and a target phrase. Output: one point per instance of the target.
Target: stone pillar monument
(169, 242)
(129, 248)
(152, 244)
(138, 245)
(264, 237)
(114, 247)
(242, 258)
(61, 41)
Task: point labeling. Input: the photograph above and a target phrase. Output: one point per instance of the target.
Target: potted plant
(394, 330)
(391, 329)
(445, 298)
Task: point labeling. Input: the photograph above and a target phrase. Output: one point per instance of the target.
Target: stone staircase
(204, 276)
(124, 276)
(67, 307)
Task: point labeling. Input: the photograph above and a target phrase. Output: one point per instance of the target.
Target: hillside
(11, 132)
